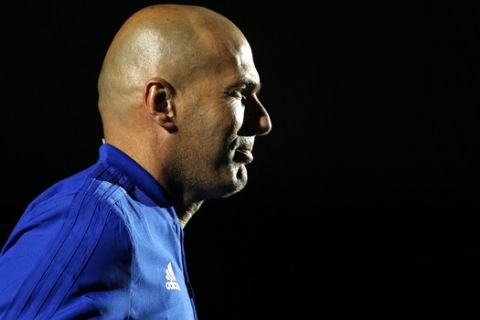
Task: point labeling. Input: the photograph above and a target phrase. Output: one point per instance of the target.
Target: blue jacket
(103, 244)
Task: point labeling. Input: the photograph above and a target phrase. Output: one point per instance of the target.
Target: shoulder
(77, 211)
(71, 211)
(93, 191)
(73, 227)
(98, 183)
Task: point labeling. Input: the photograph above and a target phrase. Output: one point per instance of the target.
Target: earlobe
(159, 102)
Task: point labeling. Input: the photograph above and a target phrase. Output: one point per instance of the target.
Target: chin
(239, 180)
(235, 181)
(233, 190)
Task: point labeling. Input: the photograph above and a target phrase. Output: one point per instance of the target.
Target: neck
(183, 204)
(186, 212)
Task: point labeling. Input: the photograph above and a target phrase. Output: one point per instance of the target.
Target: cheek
(225, 121)
(232, 119)
(238, 117)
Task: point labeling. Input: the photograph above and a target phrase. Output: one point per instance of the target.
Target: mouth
(243, 155)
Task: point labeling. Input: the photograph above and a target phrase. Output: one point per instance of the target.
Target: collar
(116, 158)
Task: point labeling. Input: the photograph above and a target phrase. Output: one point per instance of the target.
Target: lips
(243, 155)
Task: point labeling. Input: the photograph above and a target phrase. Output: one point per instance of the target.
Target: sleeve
(54, 263)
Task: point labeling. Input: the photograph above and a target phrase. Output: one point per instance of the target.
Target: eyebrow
(254, 86)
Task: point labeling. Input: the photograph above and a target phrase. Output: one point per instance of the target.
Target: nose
(256, 120)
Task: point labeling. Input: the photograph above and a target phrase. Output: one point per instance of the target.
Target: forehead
(235, 63)
(246, 66)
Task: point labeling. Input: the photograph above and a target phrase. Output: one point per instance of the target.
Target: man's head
(178, 92)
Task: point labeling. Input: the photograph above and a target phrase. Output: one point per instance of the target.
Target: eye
(237, 95)
(240, 96)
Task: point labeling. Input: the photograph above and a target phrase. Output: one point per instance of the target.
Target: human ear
(159, 103)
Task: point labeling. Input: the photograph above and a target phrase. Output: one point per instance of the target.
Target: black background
(363, 200)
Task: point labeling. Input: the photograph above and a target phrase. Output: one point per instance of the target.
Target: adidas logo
(172, 283)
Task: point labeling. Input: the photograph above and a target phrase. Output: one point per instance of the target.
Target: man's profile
(179, 107)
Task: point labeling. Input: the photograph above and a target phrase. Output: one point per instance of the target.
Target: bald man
(178, 101)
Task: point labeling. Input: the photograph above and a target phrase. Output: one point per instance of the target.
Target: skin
(178, 93)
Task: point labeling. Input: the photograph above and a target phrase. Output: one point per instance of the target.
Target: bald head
(172, 42)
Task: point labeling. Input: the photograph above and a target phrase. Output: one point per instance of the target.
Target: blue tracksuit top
(103, 244)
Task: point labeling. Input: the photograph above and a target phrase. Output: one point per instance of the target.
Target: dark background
(363, 200)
